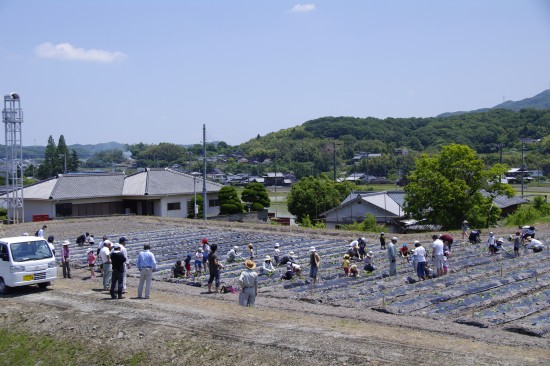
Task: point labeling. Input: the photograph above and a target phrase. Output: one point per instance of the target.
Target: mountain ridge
(539, 101)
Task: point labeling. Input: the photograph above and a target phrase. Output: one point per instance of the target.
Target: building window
(213, 203)
(174, 206)
(64, 209)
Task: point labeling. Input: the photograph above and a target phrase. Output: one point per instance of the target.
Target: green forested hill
(310, 146)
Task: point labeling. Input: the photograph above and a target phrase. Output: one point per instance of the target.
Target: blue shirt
(146, 259)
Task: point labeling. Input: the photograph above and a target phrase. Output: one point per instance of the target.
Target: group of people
(524, 236)
(114, 264)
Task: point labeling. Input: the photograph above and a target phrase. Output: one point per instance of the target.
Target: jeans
(117, 283)
(107, 275)
(66, 269)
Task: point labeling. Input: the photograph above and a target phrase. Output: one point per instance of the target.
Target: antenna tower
(12, 116)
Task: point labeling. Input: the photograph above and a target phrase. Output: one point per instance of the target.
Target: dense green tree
(63, 156)
(447, 188)
(74, 162)
(230, 203)
(200, 205)
(50, 165)
(312, 196)
(256, 195)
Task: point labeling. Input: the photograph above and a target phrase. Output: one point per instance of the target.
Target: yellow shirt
(345, 264)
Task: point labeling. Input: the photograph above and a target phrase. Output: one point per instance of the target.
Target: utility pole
(204, 199)
(334, 159)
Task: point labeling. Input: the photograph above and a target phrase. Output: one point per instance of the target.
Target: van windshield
(30, 251)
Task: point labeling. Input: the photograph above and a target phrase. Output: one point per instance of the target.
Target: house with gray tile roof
(154, 192)
(357, 204)
(387, 208)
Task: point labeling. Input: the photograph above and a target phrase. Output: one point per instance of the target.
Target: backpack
(36, 234)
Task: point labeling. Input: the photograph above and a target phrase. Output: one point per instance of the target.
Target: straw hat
(312, 249)
(370, 254)
(346, 256)
(235, 247)
(267, 258)
(250, 264)
(66, 242)
(353, 266)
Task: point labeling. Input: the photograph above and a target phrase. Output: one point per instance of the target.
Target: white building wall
(181, 213)
(38, 208)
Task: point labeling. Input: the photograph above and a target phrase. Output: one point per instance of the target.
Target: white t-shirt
(420, 254)
(437, 247)
(104, 254)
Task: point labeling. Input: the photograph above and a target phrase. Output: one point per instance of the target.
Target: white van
(26, 260)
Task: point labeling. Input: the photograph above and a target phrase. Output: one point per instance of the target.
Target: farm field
(491, 309)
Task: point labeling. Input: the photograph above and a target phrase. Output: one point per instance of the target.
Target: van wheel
(43, 285)
(3, 288)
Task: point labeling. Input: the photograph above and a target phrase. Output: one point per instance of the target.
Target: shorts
(346, 270)
(214, 275)
(198, 263)
(438, 261)
(187, 266)
(362, 251)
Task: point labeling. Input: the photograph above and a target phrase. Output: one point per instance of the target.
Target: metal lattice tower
(12, 116)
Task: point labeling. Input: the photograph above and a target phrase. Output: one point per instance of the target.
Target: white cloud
(302, 8)
(66, 51)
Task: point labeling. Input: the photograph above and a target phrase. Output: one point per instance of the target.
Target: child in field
(198, 261)
(345, 265)
(276, 255)
(91, 262)
(445, 263)
(187, 262)
(251, 250)
(353, 272)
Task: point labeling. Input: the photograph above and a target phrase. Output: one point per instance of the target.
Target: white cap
(312, 249)
(235, 247)
(276, 245)
(394, 238)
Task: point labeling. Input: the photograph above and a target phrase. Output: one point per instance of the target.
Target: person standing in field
(392, 254)
(314, 263)
(248, 281)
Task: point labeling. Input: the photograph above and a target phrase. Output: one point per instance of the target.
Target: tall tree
(256, 195)
(48, 168)
(74, 162)
(63, 156)
(452, 186)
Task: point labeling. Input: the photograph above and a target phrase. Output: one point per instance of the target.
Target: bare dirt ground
(182, 324)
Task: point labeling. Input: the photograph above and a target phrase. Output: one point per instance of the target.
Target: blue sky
(155, 71)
